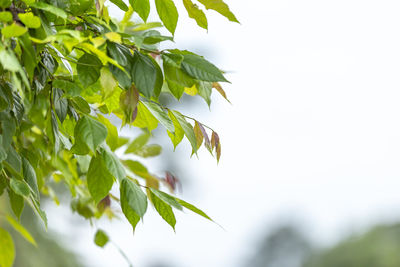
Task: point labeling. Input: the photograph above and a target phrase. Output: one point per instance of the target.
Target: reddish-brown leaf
(207, 142)
(218, 87)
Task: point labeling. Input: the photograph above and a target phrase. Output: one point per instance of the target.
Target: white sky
(313, 132)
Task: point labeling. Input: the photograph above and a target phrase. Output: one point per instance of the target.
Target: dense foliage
(66, 69)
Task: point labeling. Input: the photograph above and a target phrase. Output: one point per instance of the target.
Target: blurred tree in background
(287, 246)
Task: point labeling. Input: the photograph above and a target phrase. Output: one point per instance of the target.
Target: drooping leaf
(88, 68)
(30, 177)
(187, 129)
(136, 167)
(218, 87)
(90, 132)
(196, 13)
(163, 209)
(19, 187)
(142, 7)
(7, 249)
(147, 75)
(170, 200)
(160, 115)
(113, 164)
(193, 208)
(133, 197)
(138, 143)
(128, 102)
(112, 132)
(178, 135)
(16, 202)
(198, 133)
(21, 230)
(199, 68)
(60, 104)
(120, 4)
(99, 178)
(168, 14)
(220, 7)
(144, 118)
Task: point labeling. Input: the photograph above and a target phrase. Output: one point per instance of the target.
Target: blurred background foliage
(288, 246)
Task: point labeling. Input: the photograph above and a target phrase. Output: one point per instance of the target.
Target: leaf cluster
(66, 69)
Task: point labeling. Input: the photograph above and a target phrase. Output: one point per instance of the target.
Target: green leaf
(108, 83)
(70, 88)
(144, 118)
(193, 208)
(201, 69)
(149, 151)
(13, 30)
(101, 238)
(90, 132)
(170, 200)
(138, 143)
(154, 37)
(88, 68)
(132, 197)
(146, 74)
(177, 136)
(120, 4)
(50, 8)
(176, 79)
(113, 164)
(142, 7)
(16, 202)
(112, 132)
(163, 209)
(9, 60)
(99, 179)
(60, 104)
(168, 14)
(29, 55)
(14, 160)
(30, 20)
(173, 60)
(136, 167)
(220, 7)
(187, 129)
(160, 115)
(80, 104)
(196, 13)
(30, 177)
(204, 89)
(21, 230)
(128, 101)
(5, 16)
(7, 249)
(19, 187)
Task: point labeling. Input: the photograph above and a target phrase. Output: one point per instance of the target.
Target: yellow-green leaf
(196, 13)
(13, 30)
(30, 20)
(21, 229)
(7, 249)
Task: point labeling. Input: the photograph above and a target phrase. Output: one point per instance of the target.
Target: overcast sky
(313, 133)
